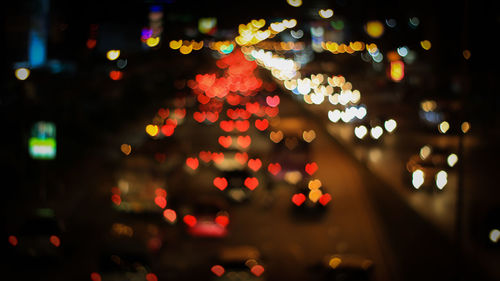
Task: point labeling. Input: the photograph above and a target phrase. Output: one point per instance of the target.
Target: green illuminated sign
(42, 144)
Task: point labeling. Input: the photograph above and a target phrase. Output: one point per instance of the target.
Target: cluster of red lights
(168, 119)
(233, 101)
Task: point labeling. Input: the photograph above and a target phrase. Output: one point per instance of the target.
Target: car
(306, 202)
(345, 267)
(236, 190)
(292, 154)
(290, 149)
(369, 131)
(231, 160)
(429, 168)
(238, 263)
(140, 189)
(433, 112)
(150, 234)
(38, 240)
(206, 216)
(123, 259)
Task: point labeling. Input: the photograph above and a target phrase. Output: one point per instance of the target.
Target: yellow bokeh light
(258, 23)
(175, 44)
(197, 45)
(397, 70)
(152, 42)
(314, 184)
(426, 44)
(315, 194)
(465, 127)
(240, 40)
(113, 54)
(372, 48)
(22, 73)
(349, 50)
(357, 46)
(341, 48)
(126, 148)
(332, 46)
(374, 28)
(334, 262)
(294, 3)
(328, 13)
(250, 34)
(428, 105)
(152, 130)
(186, 49)
(444, 127)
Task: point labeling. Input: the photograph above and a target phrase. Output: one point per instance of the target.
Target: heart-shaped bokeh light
(220, 183)
(328, 13)
(309, 136)
(251, 183)
(311, 168)
(218, 270)
(274, 168)
(254, 164)
(192, 163)
(298, 199)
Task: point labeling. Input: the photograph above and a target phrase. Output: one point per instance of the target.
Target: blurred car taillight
(190, 220)
(257, 270)
(217, 270)
(222, 220)
(54, 240)
(94, 276)
(325, 199)
(13, 240)
(151, 277)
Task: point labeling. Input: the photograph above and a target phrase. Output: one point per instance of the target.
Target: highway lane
(363, 218)
(290, 245)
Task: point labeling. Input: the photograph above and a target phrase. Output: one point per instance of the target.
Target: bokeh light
(328, 13)
(466, 54)
(444, 127)
(294, 3)
(22, 73)
(494, 235)
(426, 44)
(465, 127)
(374, 29)
(113, 54)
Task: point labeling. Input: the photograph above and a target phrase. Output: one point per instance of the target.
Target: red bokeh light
(115, 75)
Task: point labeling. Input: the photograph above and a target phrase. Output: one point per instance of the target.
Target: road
(364, 218)
(291, 246)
